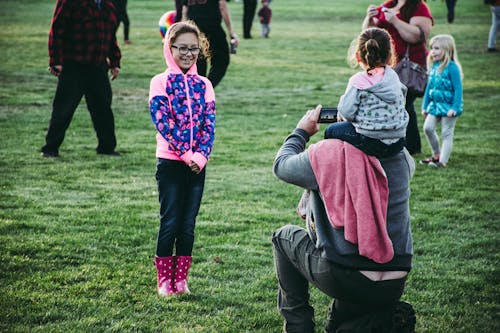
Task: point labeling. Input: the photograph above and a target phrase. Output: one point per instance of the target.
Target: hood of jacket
(172, 67)
(389, 88)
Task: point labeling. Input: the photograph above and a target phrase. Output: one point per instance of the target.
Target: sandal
(437, 165)
(429, 160)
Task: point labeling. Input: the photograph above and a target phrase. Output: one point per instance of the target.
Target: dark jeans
(219, 49)
(74, 82)
(249, 8)
(450, 6)
(345, 131)
(180, 191)
(123, 17)
(298, 262)
(413, 143)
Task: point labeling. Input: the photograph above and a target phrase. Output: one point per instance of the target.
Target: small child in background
(442, 101)
(265, 15)
(373, 104)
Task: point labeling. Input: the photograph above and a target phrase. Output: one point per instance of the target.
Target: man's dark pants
(76, 81)
(298, 262)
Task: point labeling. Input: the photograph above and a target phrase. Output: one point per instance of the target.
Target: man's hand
(309, 121)
(114, 72)
(55, 70)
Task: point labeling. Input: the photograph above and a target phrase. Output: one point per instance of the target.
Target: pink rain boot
(165, 267)
(182, 266)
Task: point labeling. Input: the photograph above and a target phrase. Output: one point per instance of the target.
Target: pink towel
(357, 200)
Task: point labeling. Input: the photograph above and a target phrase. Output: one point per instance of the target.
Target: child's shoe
(437, 164)
(165, 270)
(182, 266)
(429, 160)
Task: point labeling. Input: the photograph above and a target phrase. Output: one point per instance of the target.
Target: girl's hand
(424, 113)
(451, 114)
(194, 167)
(309, 121)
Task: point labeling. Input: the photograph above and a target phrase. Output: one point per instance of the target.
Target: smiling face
(185, 61)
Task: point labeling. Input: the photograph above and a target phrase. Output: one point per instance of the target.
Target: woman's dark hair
(374, 48)
(408, 9)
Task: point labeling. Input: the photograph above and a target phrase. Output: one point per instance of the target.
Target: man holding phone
(365, 279)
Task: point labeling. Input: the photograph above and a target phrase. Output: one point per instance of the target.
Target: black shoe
(492, 49)
(403, 318)
(111, 153)
(451, 17)
(50, 154)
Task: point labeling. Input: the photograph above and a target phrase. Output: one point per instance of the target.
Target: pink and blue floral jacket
(182, 107)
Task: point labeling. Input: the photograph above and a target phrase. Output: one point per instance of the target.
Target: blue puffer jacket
(443, 91)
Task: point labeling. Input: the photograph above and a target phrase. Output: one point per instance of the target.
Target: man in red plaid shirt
(82, 49)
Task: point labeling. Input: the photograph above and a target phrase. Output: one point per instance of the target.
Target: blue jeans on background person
(495, 24)
(346, 131)
(298, 262)
(180, 191)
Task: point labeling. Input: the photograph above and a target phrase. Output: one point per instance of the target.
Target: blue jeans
(298, 262)
(180, 191)
(345, 131)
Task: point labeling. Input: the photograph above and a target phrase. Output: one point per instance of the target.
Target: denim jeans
(495, 24)
(345, 131)
(180, 191)
(298, 262)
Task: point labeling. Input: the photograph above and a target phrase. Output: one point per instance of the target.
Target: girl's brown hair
(374, 48)
(183, 27)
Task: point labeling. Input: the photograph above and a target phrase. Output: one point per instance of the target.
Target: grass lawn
(77, 233)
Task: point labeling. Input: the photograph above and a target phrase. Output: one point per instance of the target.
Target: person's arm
(371, 19)
(56, 36)
(349, 103)
(184, 13)
(292, 161)
(205, 136)
(226, 16)
(456, 82)
(114, 57)
(425, 98)
(411, 32)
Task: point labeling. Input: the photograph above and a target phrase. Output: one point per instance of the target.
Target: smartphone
(328, 115)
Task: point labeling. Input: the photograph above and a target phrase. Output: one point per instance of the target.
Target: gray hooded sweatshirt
(378, 111)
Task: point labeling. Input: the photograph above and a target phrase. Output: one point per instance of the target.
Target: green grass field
(77, 233)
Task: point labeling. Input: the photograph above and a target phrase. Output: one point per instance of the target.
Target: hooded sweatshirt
(375, 105)
(182, 108)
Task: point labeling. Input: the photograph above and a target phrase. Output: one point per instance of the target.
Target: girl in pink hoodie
(182, 107)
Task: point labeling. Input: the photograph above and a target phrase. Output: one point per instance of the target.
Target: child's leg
(447, 129)
(343, 130)
(430, 133)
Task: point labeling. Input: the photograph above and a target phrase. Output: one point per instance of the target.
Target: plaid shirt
(82, 33)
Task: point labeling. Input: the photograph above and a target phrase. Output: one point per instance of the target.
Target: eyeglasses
(185, 50)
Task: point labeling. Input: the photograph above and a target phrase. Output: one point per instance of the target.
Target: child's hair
(373, 47)
(183, 27)
(447, 43)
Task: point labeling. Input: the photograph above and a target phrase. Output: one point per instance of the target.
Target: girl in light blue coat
(442, 99)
